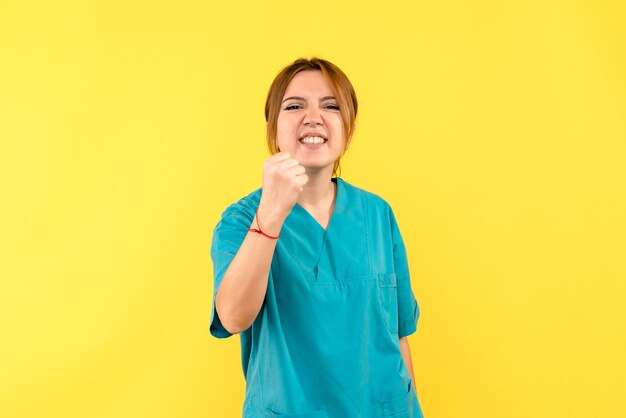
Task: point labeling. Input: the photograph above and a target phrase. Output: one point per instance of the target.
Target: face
(309, 107)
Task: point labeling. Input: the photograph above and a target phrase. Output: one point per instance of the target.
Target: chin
(317, 167)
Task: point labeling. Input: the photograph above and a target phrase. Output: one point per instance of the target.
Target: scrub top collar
(337, 210)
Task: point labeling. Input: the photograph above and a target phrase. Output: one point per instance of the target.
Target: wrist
(271, 221)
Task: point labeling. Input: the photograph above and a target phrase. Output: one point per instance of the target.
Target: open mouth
(313, 140)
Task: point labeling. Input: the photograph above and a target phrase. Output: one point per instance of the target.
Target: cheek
(338, 129)
(337, 122)
(286, 125)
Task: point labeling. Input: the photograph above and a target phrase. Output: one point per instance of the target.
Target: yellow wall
(496, 130)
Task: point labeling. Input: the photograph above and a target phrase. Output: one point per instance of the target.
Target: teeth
(312, 140)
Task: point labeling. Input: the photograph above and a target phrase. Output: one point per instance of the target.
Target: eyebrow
(304, 100)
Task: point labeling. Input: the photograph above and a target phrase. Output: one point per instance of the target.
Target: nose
(312, 117)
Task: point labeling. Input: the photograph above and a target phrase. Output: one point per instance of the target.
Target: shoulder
(371, 199)
(245, 207)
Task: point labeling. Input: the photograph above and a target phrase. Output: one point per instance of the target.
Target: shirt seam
(367, 233)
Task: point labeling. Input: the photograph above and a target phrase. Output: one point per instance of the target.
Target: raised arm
(241, 290)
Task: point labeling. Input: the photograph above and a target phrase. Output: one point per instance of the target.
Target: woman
(312, 271)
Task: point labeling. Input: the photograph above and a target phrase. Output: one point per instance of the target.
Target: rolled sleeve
(408, 308)
(228, 235)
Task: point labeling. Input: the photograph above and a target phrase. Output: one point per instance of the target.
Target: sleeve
(408, 308)
(228, 235)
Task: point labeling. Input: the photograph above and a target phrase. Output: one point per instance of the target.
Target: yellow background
(495, 129)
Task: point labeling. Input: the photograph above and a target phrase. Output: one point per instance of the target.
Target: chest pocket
(316, 414)
(388, 298)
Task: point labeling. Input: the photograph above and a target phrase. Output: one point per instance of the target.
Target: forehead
(308, 83)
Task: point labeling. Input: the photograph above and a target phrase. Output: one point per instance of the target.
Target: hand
(283, 181)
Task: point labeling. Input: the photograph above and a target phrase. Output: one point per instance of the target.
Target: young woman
(311, 271)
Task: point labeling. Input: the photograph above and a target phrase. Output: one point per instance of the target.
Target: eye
(333, 106)
(292, 106)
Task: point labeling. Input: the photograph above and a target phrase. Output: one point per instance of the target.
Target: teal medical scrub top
(325, 343)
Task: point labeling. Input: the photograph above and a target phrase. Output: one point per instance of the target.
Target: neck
(319, 190)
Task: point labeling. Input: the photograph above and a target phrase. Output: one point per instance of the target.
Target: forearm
(406, 356)
(243, 287)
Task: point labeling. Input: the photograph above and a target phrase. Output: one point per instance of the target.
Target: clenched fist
(283, 181)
